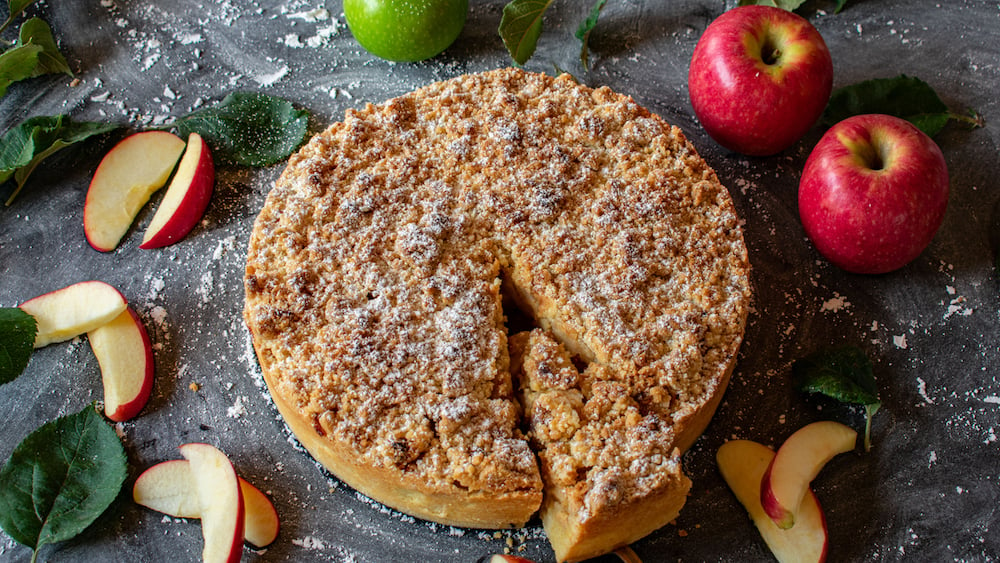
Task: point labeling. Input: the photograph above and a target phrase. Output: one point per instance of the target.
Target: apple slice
(742, 464)
(125, 355)
(187, 196)
(504, 558)
(220, 501)
(73, 310)
(262, 524)
(168, 487)
(131, 171)
(797, 463)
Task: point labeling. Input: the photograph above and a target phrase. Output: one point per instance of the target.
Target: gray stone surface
(927, 491)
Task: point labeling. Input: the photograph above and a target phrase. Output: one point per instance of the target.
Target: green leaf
(36, 32)
(844, 374)
(248, 128)
(17, 341)
(30, 142)
(789, 5)
(16, 64)
(586, 26)
(905, 97)
(15, 7)
(520, 26)
(60, 479)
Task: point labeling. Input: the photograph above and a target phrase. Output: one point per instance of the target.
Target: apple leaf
(36, 32)
(17, 339)
(15, 7)
(16, 64)
(60, 478)
(790, 5)
(905, 97)
(33, 54)
(520, 26)
(248, 128)
(586, 26)
(844, 374)
(27, 144)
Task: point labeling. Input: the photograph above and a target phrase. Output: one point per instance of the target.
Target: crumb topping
(377, 269)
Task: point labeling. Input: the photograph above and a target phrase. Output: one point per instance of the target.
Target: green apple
(405, 30)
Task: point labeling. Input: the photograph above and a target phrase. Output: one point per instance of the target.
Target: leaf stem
(973, 118)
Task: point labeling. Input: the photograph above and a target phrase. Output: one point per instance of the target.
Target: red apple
(799, 459)
(504, 558)
(187, 196)
(168, 487)
(759, 79)
(125, 179)
(220, 500)
(73, 310)
(873, 193)
(125, 355)
(742, 464)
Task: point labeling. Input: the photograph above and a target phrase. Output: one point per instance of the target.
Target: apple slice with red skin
(186, 198)
(759, 78)
(742, 464)
(73, 310)
(873, 193)
(262, 525)
(220, 500)
(799, 459)
(168, 487)
(125, 355)
(125, 179)
(504, 558)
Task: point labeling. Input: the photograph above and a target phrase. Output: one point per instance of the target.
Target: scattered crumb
(836, 303)
(900, 341)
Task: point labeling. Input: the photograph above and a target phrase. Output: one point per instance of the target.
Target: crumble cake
(376, 278)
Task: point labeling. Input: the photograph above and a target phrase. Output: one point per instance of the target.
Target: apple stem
(973, 119)
(871, 154)
(768, 52)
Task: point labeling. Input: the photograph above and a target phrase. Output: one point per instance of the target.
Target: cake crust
(375, 281)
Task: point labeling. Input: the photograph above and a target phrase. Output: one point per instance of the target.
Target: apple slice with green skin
(73, 310)
(220, 501)
(168, 487)
(125, 355)
(187, 196)
(797, 463)
(125, 179)
(742, 464)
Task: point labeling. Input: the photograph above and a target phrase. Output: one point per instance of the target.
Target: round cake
(388, 262)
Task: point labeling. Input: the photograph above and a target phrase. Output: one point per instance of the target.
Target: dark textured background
(929, 489)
